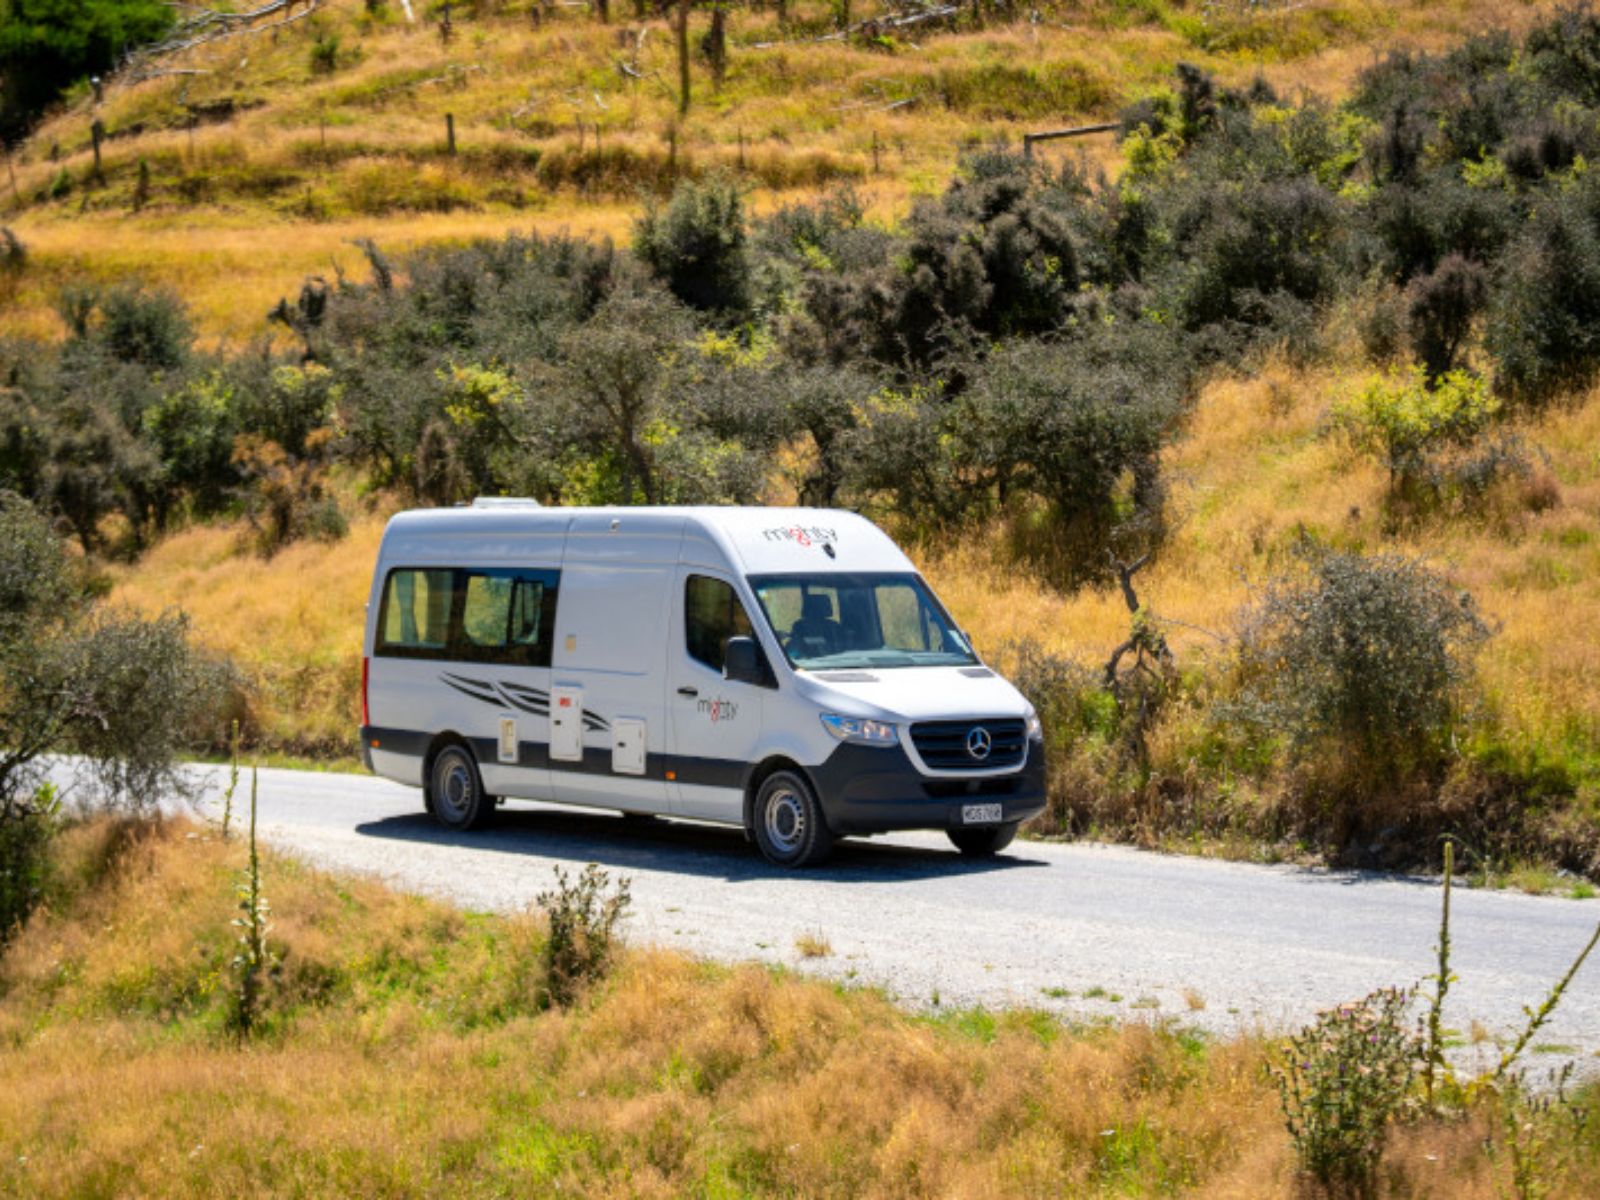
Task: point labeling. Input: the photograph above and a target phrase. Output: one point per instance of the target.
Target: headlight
(1035, 727)
(860, 730)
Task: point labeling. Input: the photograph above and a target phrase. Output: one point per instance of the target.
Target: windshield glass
(841, 620)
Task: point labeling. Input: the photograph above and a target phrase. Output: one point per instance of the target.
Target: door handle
(688, 691)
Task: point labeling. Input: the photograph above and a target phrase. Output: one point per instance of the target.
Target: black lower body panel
(867, 789)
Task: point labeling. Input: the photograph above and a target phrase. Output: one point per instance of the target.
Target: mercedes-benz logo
(979, 742)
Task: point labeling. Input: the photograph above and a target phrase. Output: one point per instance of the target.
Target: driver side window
(712, 615)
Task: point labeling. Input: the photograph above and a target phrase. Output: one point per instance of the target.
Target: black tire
(455, 794)
(985, 841)
(789, 825)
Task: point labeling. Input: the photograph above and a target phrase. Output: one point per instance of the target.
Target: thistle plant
(1540, 1130)
(233, 779)
(1537, 1017)
(254, 957)
(583, 915)
(1341, 1081)
(1435, 1067)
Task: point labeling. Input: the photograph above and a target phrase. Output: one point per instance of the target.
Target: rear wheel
(985, 841)
(789, 826)
(455, 791)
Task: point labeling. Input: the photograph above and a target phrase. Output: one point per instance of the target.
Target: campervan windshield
(844, 620)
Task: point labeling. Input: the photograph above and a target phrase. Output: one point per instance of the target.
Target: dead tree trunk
(683, 58)
(717, 45)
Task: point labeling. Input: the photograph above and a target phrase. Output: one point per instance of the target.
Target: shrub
(995, 253)
(124, 691)
(27, 827)
(1403, 422)
(583, 915)
(1544, 326)
(150, 329)
(324, 56)
(1442, 309)
(696, 245)
(1079, 425)
(1256, 240)
(1341, 1081)
(1370, 654)
(47, 45)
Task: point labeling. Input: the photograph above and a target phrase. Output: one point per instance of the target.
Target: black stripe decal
(702, 772)
(475, 688)
(529, 693)
(539, 709)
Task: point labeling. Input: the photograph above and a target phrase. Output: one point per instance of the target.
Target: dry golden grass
(1254, 469)
(404, 1056)
(292, 623)
(243, 207)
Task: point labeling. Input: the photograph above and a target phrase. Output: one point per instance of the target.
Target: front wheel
(984, 842)
(455, 791)
(789, 826)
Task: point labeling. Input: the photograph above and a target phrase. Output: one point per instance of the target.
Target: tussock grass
(405, 1051)
(553, 134)
(1252, 472)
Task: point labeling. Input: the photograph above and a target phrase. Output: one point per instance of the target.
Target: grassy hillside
(1254, 472)
(267, 156)
(407, 1050)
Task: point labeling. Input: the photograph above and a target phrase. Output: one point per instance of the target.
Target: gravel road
(1083, 929)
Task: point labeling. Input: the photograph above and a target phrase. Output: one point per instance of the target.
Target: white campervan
(785, 670)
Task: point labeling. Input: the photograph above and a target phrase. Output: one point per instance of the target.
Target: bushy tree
(126, 692)
(1443, 306)
(48, 45)
(1366, 660)
(1405, 419)
(697, 245)
(1544, 322)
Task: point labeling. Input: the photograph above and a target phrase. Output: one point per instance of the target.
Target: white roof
(754, 540)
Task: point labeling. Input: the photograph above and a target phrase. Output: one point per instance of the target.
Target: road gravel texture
(1084, 930)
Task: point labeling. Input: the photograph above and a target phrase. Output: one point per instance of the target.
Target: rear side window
(416, 613)
(712, 615)
(468, 615)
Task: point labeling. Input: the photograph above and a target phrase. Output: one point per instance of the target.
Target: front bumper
(871, 789)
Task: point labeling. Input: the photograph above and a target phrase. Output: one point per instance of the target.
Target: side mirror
(741, 661)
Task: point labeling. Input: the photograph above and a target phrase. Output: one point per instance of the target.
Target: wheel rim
(452, 788)
(785, 821)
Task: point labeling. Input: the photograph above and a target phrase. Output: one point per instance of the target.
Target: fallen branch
(873, 23)
(212, 25)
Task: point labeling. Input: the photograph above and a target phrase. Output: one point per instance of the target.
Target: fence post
(97, 133)
(450, 133)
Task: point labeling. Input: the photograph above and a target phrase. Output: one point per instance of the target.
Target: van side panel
(611, 626)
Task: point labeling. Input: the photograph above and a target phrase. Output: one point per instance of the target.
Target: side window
(490, 616)
(712, 614)
(415, 621)
(506, 617)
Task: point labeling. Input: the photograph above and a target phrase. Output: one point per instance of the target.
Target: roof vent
(506, 502)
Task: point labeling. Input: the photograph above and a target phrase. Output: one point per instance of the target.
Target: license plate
(981, 814)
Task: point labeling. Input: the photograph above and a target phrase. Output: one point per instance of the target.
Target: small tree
(1442, 309)
(1370, 654)
(617, 379)
(697, 245)
(126, 692)
(1403, 421)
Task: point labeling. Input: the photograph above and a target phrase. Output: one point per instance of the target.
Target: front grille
(967, 789)
(943, 744)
